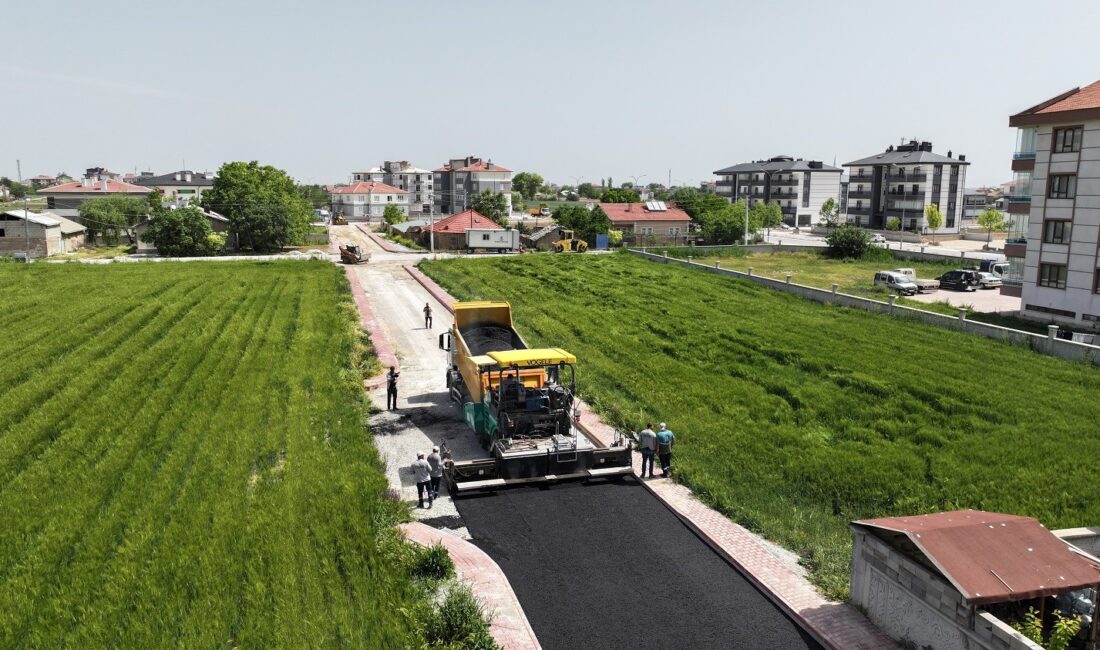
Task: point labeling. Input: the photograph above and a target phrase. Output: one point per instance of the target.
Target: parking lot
(988, 300)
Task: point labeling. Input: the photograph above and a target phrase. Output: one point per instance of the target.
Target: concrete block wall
(1086, 539)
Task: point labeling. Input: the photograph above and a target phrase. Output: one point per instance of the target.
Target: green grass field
(183, 462)
(794, 417)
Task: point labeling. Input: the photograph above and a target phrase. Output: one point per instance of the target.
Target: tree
(619, 195)
(726, 224)
(893, 223)
(527, 183)
(588, 191)
(584, 223)
(393, 214)
(263, 205)
(934, 217)
(518, 204)
(183, 232)
(830, 213)
(492, 205)
(107, 218)
(848, 242)
(992, 219)
(765, 215)
(696, 203)
(315, 195)
(18, 190)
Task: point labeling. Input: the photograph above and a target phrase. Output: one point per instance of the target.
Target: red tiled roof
(1084, 98)
(366, 187)
(113, 187)
(463, 221)
(631, 212)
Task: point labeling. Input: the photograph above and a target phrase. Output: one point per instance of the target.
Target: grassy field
(183, 462)
(794, 417)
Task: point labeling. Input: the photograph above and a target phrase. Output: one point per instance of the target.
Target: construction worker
(391, 388)
(427, 316)
(423, 472)
(647, 442)
(436, 462)
(665, 440)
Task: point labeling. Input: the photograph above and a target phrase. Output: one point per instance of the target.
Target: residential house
(652, 222)
(417, 182)
(458, 180)
(42, 180)
(1057, 185)
(180, 187)
(410, 229)
(42, 234)
(901, 182)
(800, 187)
(218, 223)
(367, 200)
(450, 232)
(101, 174)
(65, 199)
(974, 203)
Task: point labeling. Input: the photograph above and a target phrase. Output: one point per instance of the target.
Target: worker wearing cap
(391, 388)
(423, 472)
(665, 440)
(427, 316)
(436, 463)
(647, 443)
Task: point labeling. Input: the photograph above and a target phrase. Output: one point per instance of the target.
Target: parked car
(896, 282)
(960, 280)
(988, 280)
(992, 266)
(878, 239)
(924, 286)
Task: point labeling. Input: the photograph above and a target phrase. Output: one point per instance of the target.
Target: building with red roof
(65, 199)
(450, 232)
(652, 222)
(367, 200)
(41, 181)
(460, 178)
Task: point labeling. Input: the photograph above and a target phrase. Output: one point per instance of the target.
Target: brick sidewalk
(382, 348)
(386, 244)
(509, 625)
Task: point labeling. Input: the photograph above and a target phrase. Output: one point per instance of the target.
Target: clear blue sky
(567, 89)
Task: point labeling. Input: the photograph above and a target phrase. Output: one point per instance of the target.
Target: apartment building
(901, 182)
(367, 200)
(1057, 185)
(461, 178)
(800, 187)
(182, 186)
(419, 183)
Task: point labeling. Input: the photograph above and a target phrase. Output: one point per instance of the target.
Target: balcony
(915, 178)
(861, 178)
(785, 195)
(786, 182)
(861, 210)
(1018, 198)
(1024, 155)
(726, 184)
(859, 194)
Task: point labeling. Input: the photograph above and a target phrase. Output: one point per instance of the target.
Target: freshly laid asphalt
(606, 565)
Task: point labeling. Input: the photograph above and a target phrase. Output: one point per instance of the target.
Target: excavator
(352, 254)
(569, 243)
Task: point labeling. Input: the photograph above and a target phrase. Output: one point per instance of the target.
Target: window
(1067, 140)
(859, 205)
(1056, 232)
(1095, 278)
(484, 236)
(1051, 310)
(2, 235)
(645, 230)
(1052, 275)
(389, 198)
(1063, 186)
(675, 230)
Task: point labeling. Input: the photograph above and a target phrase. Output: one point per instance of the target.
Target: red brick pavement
(437, 291)
(382, 348)
(509, 625)
(386, 244)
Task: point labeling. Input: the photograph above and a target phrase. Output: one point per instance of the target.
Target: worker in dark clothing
(427, 316)
(665, 440)
(423, 472)
(391, 388)
(647, 443)
(436, 461)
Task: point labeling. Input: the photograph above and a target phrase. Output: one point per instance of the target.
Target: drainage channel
(605, 564)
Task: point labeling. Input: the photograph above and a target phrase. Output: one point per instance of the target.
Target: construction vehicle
(542, 211)
(339, 220)
(352, 254)
(520, 404)
(569, 244)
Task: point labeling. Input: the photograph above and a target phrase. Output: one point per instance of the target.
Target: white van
(896, 282)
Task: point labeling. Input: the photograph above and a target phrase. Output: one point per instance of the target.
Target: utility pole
(26, 212)
(748, 191)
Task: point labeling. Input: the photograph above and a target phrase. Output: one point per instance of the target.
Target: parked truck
(492, 239)
(520, 404)
(923, 285)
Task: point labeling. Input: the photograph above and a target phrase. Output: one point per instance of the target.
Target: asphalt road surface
(606, 565)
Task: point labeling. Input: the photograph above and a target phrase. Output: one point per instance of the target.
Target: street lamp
(636, 179)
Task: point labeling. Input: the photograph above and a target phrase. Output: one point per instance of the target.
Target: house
(800, 187)
(419, 183)
(544, 238)
(218, 223)
(40, 181)
(1054, 206)
(181, 186)
(901, 182)
(43, 234)
(649, 223)
(461, 178)
(367, 200)
(410, 229)
(65, 199)
(450, 232)
(101, 174)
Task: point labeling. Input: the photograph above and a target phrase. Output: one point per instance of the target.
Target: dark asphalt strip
(606, 565)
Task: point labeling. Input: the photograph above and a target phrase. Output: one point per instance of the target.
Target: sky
(575, 91)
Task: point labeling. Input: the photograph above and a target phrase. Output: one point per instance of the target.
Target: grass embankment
(183, 462)
(793, 417)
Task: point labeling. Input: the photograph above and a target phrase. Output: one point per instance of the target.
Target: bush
(848, 242)
(432, 563)
(893, 223)
(459, 623)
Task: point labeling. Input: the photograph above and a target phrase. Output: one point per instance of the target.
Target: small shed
(218, 223)
(43, 234)
(544, 238)
(450, 232)
(946, 579)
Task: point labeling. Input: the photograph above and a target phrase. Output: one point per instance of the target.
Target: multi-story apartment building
(800, 187)
(901, 182)
(419, 183)
(1057, 185)
(183, 185)
(461, 178)
(366, 200)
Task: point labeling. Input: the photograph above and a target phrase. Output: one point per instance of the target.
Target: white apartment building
(458, 180)
(1057, 167)
(901, 182)
(800, 187)
(367, 200)
(419, 183)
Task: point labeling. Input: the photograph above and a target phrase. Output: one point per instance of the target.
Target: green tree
(765, 216)
(588, 191)
(108, 218)
(725, 224)
(263, 205)
(830, 213)
(183, 232)
(848, 242)
(619, 195)
(584, 223)
(992, 219)
(696, 203)
(491, 204)
(518, 202)
(393, 214)
(893, 223)
(934, 218)
(315, 195)
(527, 183)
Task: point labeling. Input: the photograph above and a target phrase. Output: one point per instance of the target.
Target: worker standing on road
(436, 462)
(427, 316)
(647, 442)
(423, 472)
(391, 388)
(665, 440)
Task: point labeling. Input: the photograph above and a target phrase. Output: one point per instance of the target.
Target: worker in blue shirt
(665, 440)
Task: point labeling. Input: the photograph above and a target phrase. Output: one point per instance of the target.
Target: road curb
(509, 625)
(441, 296)
(385, 244)
(371, 325)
